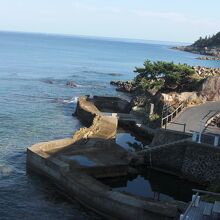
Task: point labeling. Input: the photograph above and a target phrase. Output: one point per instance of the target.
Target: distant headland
(208, 46)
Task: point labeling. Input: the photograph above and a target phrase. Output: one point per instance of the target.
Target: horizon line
(119, 39)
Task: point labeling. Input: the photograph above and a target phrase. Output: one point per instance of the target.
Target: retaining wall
(196, 162)
(168, 136)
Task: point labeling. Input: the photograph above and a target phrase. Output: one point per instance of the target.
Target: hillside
(209, 46)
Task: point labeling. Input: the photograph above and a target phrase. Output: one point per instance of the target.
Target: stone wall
(196, 162)
(168, 136)
(168, 157)
(201, 163)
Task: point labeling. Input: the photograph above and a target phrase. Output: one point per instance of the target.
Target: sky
(166, 20)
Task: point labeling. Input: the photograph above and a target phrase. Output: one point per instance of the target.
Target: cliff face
(209, 46)
(210, 89)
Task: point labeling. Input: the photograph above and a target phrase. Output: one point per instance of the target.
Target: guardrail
(169, 117)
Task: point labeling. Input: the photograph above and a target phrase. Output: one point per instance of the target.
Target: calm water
(37, 106)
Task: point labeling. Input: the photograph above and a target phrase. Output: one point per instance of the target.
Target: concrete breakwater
(76, 164)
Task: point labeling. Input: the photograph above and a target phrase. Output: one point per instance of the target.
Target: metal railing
(192, 203)
(206, 138)
(169, 117)
(195, 199)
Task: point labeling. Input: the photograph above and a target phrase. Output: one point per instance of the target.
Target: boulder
(174, 97)
(210, 89)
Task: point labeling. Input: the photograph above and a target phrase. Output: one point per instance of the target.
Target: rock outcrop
(210, 89)
(215, 52)
(209, 46)
(125, 86)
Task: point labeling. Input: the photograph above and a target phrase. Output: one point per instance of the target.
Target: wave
(72, 100)
(5, 170)
(101, 73)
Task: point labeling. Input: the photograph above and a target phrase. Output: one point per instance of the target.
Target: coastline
(207, 54)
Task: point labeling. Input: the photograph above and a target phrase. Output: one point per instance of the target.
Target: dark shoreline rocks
(208, 58)
(210, 53)
(125, 86)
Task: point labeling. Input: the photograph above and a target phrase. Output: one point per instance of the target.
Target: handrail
(206, 192)
(189, 207)
(198, 192)
(171, 115)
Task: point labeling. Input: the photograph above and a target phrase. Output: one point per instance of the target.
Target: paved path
(193, 115)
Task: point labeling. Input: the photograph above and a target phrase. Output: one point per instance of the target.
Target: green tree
(155, 75)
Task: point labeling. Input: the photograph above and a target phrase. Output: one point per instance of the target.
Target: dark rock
(48, 81)
(208, 58)
(125, 86)
(115, 74)
(71, 84)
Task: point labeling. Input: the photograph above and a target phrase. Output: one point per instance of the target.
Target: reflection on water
(129, 141)
(150, 184)
(154, 185)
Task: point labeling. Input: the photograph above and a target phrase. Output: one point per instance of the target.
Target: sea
(36, 106)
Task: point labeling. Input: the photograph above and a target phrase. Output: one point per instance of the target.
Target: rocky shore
(208, 58)
(149, 104)
(125, 86)
(210, 53)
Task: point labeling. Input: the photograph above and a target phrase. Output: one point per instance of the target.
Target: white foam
(72, 100)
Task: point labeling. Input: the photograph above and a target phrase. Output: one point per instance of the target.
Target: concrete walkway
(193, 115)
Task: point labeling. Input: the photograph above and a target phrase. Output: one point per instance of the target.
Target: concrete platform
(74, 164)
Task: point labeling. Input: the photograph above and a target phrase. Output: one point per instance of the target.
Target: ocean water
(36, 105)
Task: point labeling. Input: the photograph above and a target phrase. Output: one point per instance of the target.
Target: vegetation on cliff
(213, 41)
(209, 46)
(163, 75)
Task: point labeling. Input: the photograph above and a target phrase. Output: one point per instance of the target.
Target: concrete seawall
(74, 165)
(196, 162)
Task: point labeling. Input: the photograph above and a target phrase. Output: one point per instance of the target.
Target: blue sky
(169, 20)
